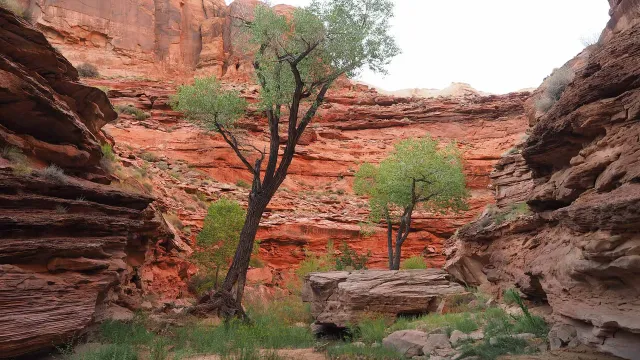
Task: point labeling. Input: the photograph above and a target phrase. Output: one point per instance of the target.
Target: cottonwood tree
(417, 173)
(297, 58)
(219, 237)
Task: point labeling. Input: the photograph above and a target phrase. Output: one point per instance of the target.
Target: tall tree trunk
(236, 276)
(390, 242)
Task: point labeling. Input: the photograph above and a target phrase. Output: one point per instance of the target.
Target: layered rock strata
(67, 244)
(341, 298)
(316, 203)
(579, 248)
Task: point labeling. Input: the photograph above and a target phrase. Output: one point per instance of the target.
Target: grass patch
(54, 173)
(370, 330)
(502, 346)
(108, 352)
(413, 263)
(243, 184)
(150, 157)
(129, 109)
(16, 8)
(353, 352)
(174, 220)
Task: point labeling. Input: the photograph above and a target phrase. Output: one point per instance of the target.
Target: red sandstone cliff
(69, 243)
(579, 172)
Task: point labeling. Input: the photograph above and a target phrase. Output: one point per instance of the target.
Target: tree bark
(236, 276)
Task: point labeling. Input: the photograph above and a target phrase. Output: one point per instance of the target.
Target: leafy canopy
(220, 234)
(208, 105)
(417, 172)
(317, 44)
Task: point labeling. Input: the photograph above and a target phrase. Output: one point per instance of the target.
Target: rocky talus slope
(579, 248)
(69, 243)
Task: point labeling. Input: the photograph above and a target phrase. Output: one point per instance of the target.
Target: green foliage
(107, 152)
(527, 322)
(286, 309)
(337, 36)
(243, 184)
(15, 7)
(54, 173)
(349, 259)
(108, 352)
(437, 174)
(129, 109)
(150, 157)
(218, 240)
(87, 70)
(554, 85)
(503, 346)
(367, 229)
(13, 154)
(513, 212)
(352, 352)
(413, 263)
(208, 105)
(370, 329)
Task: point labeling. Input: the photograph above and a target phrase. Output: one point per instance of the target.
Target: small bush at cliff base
(502, 346)
(133, 111)
(86, 70)
(413, 263)
(349, 259)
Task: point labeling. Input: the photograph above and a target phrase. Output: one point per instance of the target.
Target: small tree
(416, 173)
(297, 58)
(219, 237)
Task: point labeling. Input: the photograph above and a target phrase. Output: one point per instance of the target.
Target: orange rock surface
(316, 203)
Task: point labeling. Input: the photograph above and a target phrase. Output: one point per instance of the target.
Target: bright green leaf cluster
(322, 41)
(220, 234)
(206, 103)
(436, 173)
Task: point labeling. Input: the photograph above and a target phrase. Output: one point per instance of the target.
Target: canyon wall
(578, 248)
(69, 243)
(316, 204)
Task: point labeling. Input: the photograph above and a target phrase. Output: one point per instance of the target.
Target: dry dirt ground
(581, 353)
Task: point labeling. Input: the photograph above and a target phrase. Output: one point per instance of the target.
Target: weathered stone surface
(317, 203)
(409, 343)
(67, 245)
(342, 297)
(579, 248)
(438, 345)
(39, 85)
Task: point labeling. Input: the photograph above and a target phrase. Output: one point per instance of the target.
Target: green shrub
(554, 85)
(54, 173)
(218, 240)
(413, 263)
(367, 229)
(349, 259)
(370, 329)
(16, 8)
(87, 70)
(129, 109)
(502, 346)
(527, 323)
(465, 324)
(13, 154)
(150, 157)
(243, 184)
(353, 352)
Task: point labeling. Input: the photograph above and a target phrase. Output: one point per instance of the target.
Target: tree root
(222, 304)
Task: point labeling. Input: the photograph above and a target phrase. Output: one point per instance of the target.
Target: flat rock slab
(341, 298)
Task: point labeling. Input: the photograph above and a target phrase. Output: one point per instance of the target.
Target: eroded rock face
(316, 203)
(579, 249)
(45, 111)
(341, 298)
(67, 244)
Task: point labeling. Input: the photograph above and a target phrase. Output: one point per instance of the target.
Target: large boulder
(409, 343)
(341, 297)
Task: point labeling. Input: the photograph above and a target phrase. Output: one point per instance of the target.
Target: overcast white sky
(496, 46)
